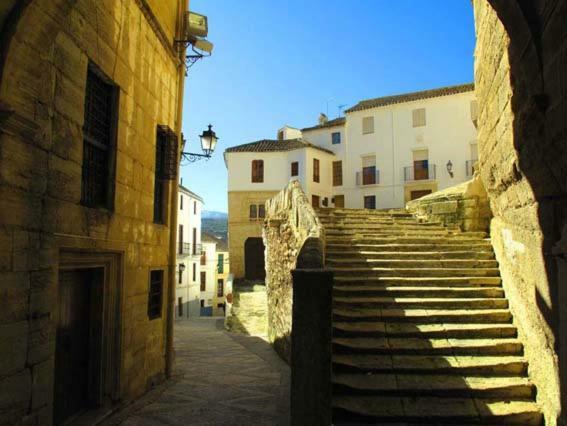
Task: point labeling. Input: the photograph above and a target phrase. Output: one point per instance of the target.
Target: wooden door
(76, 360)
(421, 170)
(339, 201)
(254, 259)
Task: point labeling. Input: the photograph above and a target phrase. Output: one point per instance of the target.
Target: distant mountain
(207, 214)
(215, 223)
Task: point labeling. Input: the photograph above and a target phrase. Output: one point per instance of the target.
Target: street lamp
(208, 144)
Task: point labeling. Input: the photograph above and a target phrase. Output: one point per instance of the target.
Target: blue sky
(279, 62)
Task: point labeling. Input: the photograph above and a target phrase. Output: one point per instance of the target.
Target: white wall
(277, 171)
(447, 135)
(188, 289)
(210, 269)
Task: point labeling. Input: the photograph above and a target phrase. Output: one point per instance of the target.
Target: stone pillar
(311, 347)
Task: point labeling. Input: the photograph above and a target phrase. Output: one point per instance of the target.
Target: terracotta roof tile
(268, 145)
(408, 97)
(340, 121)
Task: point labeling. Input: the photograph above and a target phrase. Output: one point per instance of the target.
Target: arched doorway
(254, 259)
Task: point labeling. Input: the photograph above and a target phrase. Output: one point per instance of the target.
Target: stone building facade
(521, 87)
(90, 106)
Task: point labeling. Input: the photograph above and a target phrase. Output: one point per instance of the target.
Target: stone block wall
(42, 95)
(241, 227)
(465, 205)
(290, 222)
(521, 86)
(249, 312)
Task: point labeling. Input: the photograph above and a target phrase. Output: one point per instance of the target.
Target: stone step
(413, 272)
(413, 255)
(434, 410)
(478, 246)
(439, 330)
(423, 316)
(425, 346)
(363, 212)
(387, 233)
(432, 282)
(432, 385)
(411, 263)
(383, 226)
(420, 303)
(432, 364)
(424, 292)
(374, 240)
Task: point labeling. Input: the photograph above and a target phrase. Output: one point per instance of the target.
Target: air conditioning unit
(196, 25)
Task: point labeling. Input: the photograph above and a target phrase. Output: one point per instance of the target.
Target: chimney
(322, 119)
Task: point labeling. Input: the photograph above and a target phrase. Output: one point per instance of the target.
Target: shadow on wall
(526, 179)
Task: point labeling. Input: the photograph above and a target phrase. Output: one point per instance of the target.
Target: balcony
(186, 249)
(421, 172)
(471, 167)
(183, 248)
(368, 176)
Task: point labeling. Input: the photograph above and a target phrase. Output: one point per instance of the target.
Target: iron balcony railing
(413, 173)
(371, 177)
(188, 249)
(472, 166)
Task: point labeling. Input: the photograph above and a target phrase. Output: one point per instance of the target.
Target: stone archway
(523, 158)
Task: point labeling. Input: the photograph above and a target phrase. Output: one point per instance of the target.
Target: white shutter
(367, 125)
(369, 161)
(418, 116)
(420, 155)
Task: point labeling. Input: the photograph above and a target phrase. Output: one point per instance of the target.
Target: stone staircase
(422, 333)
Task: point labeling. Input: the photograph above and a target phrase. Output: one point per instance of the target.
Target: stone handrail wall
(291, 231)
(465, 205)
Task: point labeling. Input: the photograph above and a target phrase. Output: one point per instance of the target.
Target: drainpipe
(169, 354)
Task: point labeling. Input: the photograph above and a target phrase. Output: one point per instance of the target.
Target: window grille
(316, 170)
(253, 211)
(203, 281)
(261, 211)
(220, 288)
(97, 141)
(155, 296)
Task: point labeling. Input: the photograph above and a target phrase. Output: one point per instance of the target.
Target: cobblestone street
(220, 378)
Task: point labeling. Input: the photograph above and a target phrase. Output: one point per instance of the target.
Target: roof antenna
(341, 107)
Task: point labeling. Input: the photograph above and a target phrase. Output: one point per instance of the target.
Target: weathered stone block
(14, 341)
(42, 384)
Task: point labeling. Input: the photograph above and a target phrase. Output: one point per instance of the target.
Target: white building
(188, 294)
(383, 153)
(214, 273)
(387, 150)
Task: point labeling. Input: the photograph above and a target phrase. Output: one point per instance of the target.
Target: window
(369, 170)
(336, 138)
(253, 211)
(180, 306)
(181, 202)
(421, 164)
(155, 296)
(220, 288)
(295, 168)
(97, 183)
(418, 117)
(370, 202)
(165, 169)
(203, 258)
(257, 171)
(315, 170)
(202, 303)
(194, 207)
(367, 125)
(261, 211)
(337, 173)
(194, 241)
(180, 237)
(339, 201)
(194, 272)
(220, 263)
(180, 273)
(280, 135)
(203, 281)
(315, 201)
